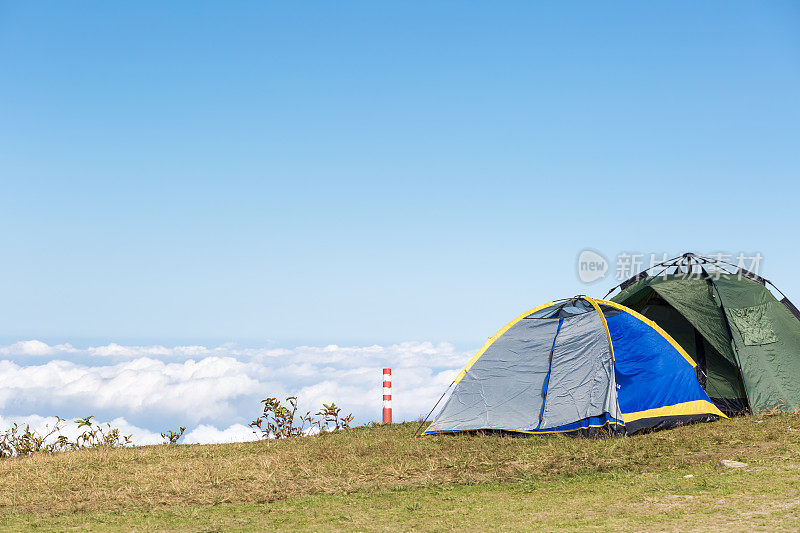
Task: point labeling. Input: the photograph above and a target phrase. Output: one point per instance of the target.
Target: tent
(578, 366)
(745, 341)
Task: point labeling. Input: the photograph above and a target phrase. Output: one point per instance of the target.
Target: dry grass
(176, 481)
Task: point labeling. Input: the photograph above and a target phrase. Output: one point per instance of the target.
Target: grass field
(380, 478)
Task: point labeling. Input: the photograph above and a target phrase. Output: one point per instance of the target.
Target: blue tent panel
(657, 385)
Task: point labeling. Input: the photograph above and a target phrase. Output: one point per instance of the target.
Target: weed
(172, 437)
(16, 442)
(279, 421)
(330, 415)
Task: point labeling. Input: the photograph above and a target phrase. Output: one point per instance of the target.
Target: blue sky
(376, 173)
(270, 176)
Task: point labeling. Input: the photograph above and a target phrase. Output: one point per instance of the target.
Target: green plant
(95, 436)
(330, 414)
(279, 421)
(172, 437)
(16, 442)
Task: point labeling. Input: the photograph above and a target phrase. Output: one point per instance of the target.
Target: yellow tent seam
(695, 407)
(605, 324)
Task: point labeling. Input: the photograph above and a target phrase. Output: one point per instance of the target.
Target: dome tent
(745, 341)
(577, 366)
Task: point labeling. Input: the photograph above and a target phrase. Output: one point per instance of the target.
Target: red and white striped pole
(387, 395)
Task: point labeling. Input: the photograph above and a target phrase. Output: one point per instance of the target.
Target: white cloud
(153, 388)
(35, 348)
(205, 434)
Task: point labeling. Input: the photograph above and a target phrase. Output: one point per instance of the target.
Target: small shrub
(16, 442)
(95, 436)
(279, 421)
(330, 415)
(172, 437)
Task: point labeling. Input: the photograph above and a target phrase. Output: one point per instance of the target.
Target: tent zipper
(547, 377)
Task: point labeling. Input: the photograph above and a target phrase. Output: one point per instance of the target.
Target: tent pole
(434, 407)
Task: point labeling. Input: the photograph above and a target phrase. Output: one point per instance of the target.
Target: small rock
(688, 476)
(727, 463)
(758, 421)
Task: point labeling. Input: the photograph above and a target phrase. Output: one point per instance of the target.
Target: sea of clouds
(214, 391)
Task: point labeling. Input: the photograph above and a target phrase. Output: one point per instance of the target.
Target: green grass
(381, 478)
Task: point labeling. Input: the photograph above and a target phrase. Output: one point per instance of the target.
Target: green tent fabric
(745, 341)
(767, 335)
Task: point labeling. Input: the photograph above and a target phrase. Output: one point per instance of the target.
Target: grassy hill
(380, 478)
